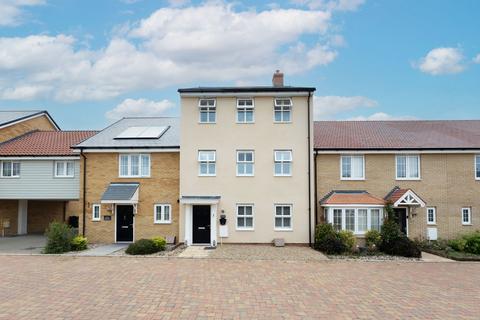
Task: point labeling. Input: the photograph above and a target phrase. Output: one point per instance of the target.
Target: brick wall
(447, 183)
(161, 187)
(39, 123)
(41, 213)
(9, 211)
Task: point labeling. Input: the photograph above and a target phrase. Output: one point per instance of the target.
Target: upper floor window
(162, 213)
(206, 163)
(245, 163)
(245, 111)
(96, 212)
(64, 169)
(431, 215)
(10, 169)
(408, 167)
(466, 216)
(134, 165)
(283, 110)
(283, 162)
(477, 166)
(208, 110)
(352, 167)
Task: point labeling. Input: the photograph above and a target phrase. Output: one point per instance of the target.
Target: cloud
(477, 59)
(172, 46)
(11, 11)
(331, 5)
(442, 61)
(139, 108)
(381, 116)
(327, 107)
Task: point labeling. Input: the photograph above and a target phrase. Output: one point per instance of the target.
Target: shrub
(472, 243)
(59, 238)
(373, 238)
(323, 231)
(160, 243)
(406, 248)
(390, 233)
(457, 244)
(394, 242)
(79, 243)
(348, 239)
(332, 244)
(141, 247)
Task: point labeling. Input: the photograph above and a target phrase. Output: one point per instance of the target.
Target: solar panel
(142, 133)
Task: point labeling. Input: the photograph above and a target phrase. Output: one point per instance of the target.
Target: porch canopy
(121, 193)
(404, 197)
(199, 199)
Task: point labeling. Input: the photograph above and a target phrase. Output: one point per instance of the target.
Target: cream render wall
(447, 183)
(264, 189)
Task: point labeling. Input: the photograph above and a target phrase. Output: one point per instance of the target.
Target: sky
(91, 62)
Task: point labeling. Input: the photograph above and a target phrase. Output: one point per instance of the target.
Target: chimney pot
(277, 79)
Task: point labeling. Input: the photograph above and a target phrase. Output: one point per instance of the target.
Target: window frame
(162, 213)
(12, 163)
(275, 105)
(208, 111)
(351, 167)
(407, 167)
(244, 216)
(469, 222)
(99, 206)
(65, 169)
(356, 208)
(208, 162)
(245, 109)
(434, 222)
(238, 162)
(275, 228)
(476, 158)
(129, 165)
(282, 162)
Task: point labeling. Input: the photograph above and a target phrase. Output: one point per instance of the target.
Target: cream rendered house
(246, 169)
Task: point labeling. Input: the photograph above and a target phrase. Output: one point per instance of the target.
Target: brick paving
(62, 287)
(266, 252)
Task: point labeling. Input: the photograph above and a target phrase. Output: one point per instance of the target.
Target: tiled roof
(44, 143)
(245, 89)
(395, 194)
(341, 197)
(365, 135)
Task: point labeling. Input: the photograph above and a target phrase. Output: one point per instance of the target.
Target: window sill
(282, 122)
(16, 177)
(282, 175)
(207, 122)
(207, 175)
(96, 220)
(431, 224)
(245, 175)
(408, 179)
(244, 229)
(252, 122)
(166, 222)
(70, 177)
(467, 224)
(134, 177)
(283, 230)
(352, 179)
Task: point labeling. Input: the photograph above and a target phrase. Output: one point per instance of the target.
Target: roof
(407, 196)
(245, 89)
(106, 139)
(395, 194)
(44, 143)
(397, 135)
(120, 191)
(9, 117)
(342, 197)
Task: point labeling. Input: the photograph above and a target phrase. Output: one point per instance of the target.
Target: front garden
(463, 248)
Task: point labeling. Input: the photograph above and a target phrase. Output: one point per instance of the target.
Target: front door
(124, 223)
(401, 218)
(201, 224)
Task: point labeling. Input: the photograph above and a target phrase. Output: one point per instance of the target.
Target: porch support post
(22, 216)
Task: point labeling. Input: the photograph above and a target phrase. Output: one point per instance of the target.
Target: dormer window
(283, 110)
(245, 111)
(208, 110)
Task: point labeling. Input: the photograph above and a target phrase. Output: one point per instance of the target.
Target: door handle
(201, 228)
(124, 227)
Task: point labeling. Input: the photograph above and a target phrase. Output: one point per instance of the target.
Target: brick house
(16, 123)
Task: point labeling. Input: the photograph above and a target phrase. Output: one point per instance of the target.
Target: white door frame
(189, 223)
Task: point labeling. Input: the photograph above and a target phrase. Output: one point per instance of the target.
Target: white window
(245, 163)
(96, 212)
(283, 110)
(466, 216)
(408, 167)
(162, 213)
(357, 220)
(10, 169)
(431, 215)
(477, 166)
(283, 217)
(245, 217)
(134, 165)
(245, 108)
(283, 162)
(352, 167)
(208, 110)
(64, 169)
(206, 163)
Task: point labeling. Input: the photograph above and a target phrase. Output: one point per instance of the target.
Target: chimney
(277, 79)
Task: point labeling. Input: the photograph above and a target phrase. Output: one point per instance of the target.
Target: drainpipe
(315, 186)
(309, 176)
(84, 191)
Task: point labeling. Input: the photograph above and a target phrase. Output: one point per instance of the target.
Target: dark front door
(401, 218)
(124, 223)
(201, 224)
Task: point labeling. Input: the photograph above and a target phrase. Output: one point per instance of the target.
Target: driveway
(63, 287)
(22, 244)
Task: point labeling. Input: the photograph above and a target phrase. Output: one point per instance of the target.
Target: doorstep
(101, 250)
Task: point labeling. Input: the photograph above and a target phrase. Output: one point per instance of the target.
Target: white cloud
(11, 11)
(172, 46)
(331, 5)
(442, 61)
(378, 116)
(477, 59)
(139, 108)
(327, 107)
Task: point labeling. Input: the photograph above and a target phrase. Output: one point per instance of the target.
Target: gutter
(84, 191)
(309, 175)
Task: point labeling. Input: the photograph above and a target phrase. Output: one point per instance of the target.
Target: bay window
(358, 220)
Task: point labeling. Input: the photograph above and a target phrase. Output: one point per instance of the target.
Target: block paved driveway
(52, 287)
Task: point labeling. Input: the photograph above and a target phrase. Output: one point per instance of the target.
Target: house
(428, 171)
(39, 180)
(131, 180)
(246, 173)
(16, 123)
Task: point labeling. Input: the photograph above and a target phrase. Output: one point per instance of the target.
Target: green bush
(160, 242)
(348, 239)
(323, 231)
(373, 238)
(394, 242)
(472, 243)
(79, 243)
(405, 247)
(59, 237)
(142, 247)
(332, 244)
(457, 244)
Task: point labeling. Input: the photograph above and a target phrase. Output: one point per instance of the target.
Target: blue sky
(91, 62)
